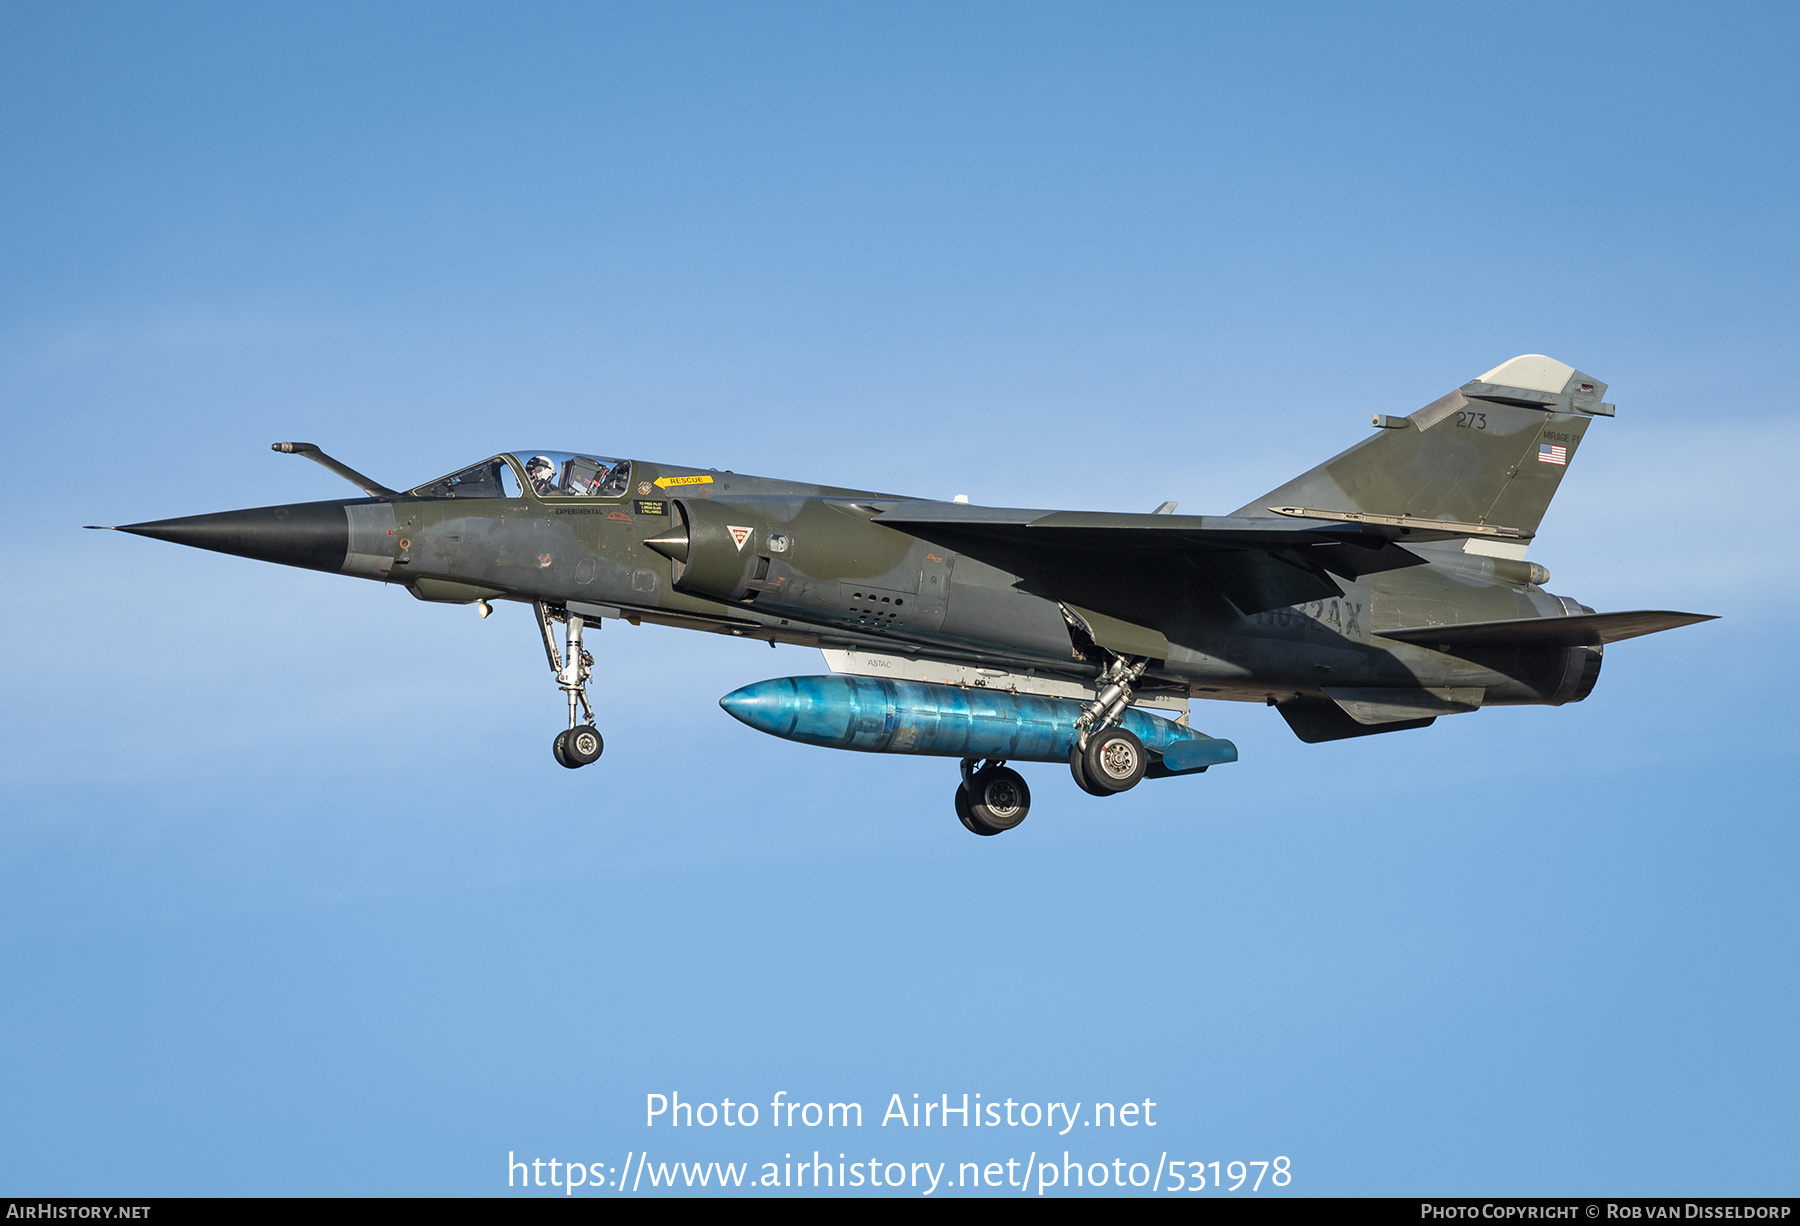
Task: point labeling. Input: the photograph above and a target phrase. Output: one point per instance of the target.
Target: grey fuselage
(807, 564)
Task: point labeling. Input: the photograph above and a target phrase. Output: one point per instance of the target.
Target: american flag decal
(1552, 453)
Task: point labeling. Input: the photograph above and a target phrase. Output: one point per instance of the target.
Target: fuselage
(791, 562)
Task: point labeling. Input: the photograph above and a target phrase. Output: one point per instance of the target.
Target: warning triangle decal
(740, 535)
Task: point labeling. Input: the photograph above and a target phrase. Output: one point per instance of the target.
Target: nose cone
(767, 706)
(315, 535)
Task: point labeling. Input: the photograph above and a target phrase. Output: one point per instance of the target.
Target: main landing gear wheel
(1080, 773)
(1114, 760)
(966, 818)
(578, 746)
(1110, 760)
(998, 797)
(992, 800)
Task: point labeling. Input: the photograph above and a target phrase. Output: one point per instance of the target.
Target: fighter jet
(1382, 589)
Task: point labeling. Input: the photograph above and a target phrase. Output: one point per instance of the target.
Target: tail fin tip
(1532, 371)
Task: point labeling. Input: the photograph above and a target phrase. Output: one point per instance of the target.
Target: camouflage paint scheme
(1379, 590)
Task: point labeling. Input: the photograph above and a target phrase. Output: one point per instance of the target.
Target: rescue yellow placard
(666, 482)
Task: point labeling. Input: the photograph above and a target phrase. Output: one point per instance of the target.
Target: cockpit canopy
(549, 474)
(558, 474)
(489, 479)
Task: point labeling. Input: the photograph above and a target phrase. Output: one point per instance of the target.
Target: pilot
(543, 475)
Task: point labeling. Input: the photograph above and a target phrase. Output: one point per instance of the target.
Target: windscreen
(489, 479)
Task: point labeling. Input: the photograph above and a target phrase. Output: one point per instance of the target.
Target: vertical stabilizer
(1492, 452)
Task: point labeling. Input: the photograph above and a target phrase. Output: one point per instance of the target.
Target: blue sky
(293, 898)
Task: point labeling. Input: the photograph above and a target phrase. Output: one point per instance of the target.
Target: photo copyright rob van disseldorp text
(1025, 1148)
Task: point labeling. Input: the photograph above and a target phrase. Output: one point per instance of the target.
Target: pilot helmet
(540, 468)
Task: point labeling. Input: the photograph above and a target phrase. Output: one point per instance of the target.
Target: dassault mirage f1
(1374, 593)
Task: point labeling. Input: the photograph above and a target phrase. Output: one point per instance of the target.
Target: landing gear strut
(580, 744)
(991, 799)
(1108, 758)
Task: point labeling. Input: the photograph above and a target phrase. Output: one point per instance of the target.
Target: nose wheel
(580, 743)
(578, 746)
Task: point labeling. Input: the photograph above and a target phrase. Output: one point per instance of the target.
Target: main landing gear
(580, 744)
(1108, 758)
(991, 799)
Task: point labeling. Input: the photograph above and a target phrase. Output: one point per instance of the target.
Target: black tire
(998, 798)
(1114, 760)
(557, 747)
(1080, 774)
(582, 745)
(966, 817)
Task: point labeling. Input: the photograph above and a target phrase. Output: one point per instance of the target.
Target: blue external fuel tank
(877, 715)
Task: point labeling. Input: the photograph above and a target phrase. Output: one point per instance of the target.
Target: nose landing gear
(578, 746)
(580, 743)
